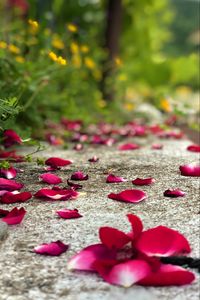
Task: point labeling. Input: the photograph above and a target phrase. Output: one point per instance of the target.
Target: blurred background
(98, 60)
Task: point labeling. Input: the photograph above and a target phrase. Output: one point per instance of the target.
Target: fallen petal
(174, 193)
(9, 185)
(113, 238)
(145, 181)
(68, 213)
(136, 225)
(53, 248)
(13, 197)
(56, 194)
(57, 162)
(10, 137)
(194, 148)
(132, 196)
(50, 178)
(190, 170)
(157, 146)
(15, 216)
(3, 212)
(75, 186)
(114, 179)
(9, 173)
(93, 159)
(128, 146)
(79, 176)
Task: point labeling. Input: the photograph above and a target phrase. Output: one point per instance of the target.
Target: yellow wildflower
(14, 49)
(3, 45)
(165, 105)
(90, 64)
(57, 42)
(76, 60)
(129, 106)
(118, 61)
(84, 48)
(52, 56)
(34, 26)
(122, 77)
(20, 59)
(72, 28)
(61, 61)
(74, 48)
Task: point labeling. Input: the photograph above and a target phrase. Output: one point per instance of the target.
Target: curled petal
(113, 238)
(168, 275)
(114, 179)
(136, 225)
(75, 186)
(132, 196)
(174, 193)
(128, 146)
(56, 194)
(53, 248)
(190, 170)
(10, 137)
(3, 212)
(9, 173)
(79, 176)
(15, 216)
(50, 178)
(56, 162)
(124, 274)
(194, 148)
(93, 159)
(145, 181)
(162, 241)
(86, 258)
(9, 185)
(68, 213)
(13, 197)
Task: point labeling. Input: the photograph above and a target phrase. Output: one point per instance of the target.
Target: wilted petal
(9, 185)
(190, 170)
(174, 193)
(128, 146)
(10, 137)
(75, 186)
(56, 194)
(79, 176)
(124, 274)
(53, 248)
(85, 259)
(11, 155)
(93, 159)
(157, 146)
(114, 179)
(113, 238)
(194, 148)
(50, 178)
(136, 225)
(168, 275)
(145, 181)
(9, 173)
(15, 216)
(56, 162)
(13, 197)
(68, 213)
(132, 196)
(162, 241)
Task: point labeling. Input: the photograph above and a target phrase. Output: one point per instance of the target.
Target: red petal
(50, 178)
(58, 194)
(93, 159)
(168, 275)
(9, 173)
(75, 186)
(194, 148)
(136, 225)
(12, 197)
(85, 259)
(79, 176)
(162, 241)
(114, 179)
(53, 248)
(157, 146)
(132, 196)
(10, 137)
(57, 162)
(68, 213)
(113, 238)
(15, 216)
(128, 146)
(174, 193)
(9, 185)
(3, 212)
(145, 181)
(190, 170)
(124, 274)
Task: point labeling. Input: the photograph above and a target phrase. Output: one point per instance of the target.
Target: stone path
(28, 276)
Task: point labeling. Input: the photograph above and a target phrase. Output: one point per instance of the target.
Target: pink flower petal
(162, 241)
(174, 193)
(9, 185)
(75, 186)
(10, 137)
(128, 146)
(12, 197)
(15, 216)
(78, 147)
(132, 196)
(168, 275)
(114, 179)
(93, 159)
(145, 181)
(85, 259)
(136, 225)
(124, 274)
(68, 213)
(53, 248)
(157, 146)
(3, 212)
(79, 176)
(113, 238)
(50, 178)
(57, 162)
(11, 155)
(58, 194)
(194, 148)
(9, 173)
(190, 170)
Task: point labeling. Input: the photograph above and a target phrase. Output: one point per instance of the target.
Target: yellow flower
(84, 48)
(57, 42)
(72, 28)
(165, 105)
(90, 64)
(76, 60)
(14, 49)
(129, 106)
(118, 61)
(61, 61)
(74, 48)
(20, 59)
(34, 26)
(52, 56)
(3, 45)
(122, 77)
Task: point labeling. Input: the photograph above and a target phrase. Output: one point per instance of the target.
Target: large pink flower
(52, 249)
(15, 216)
(56, 194)
(190, 170)
(132, 196)
(9, 185)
